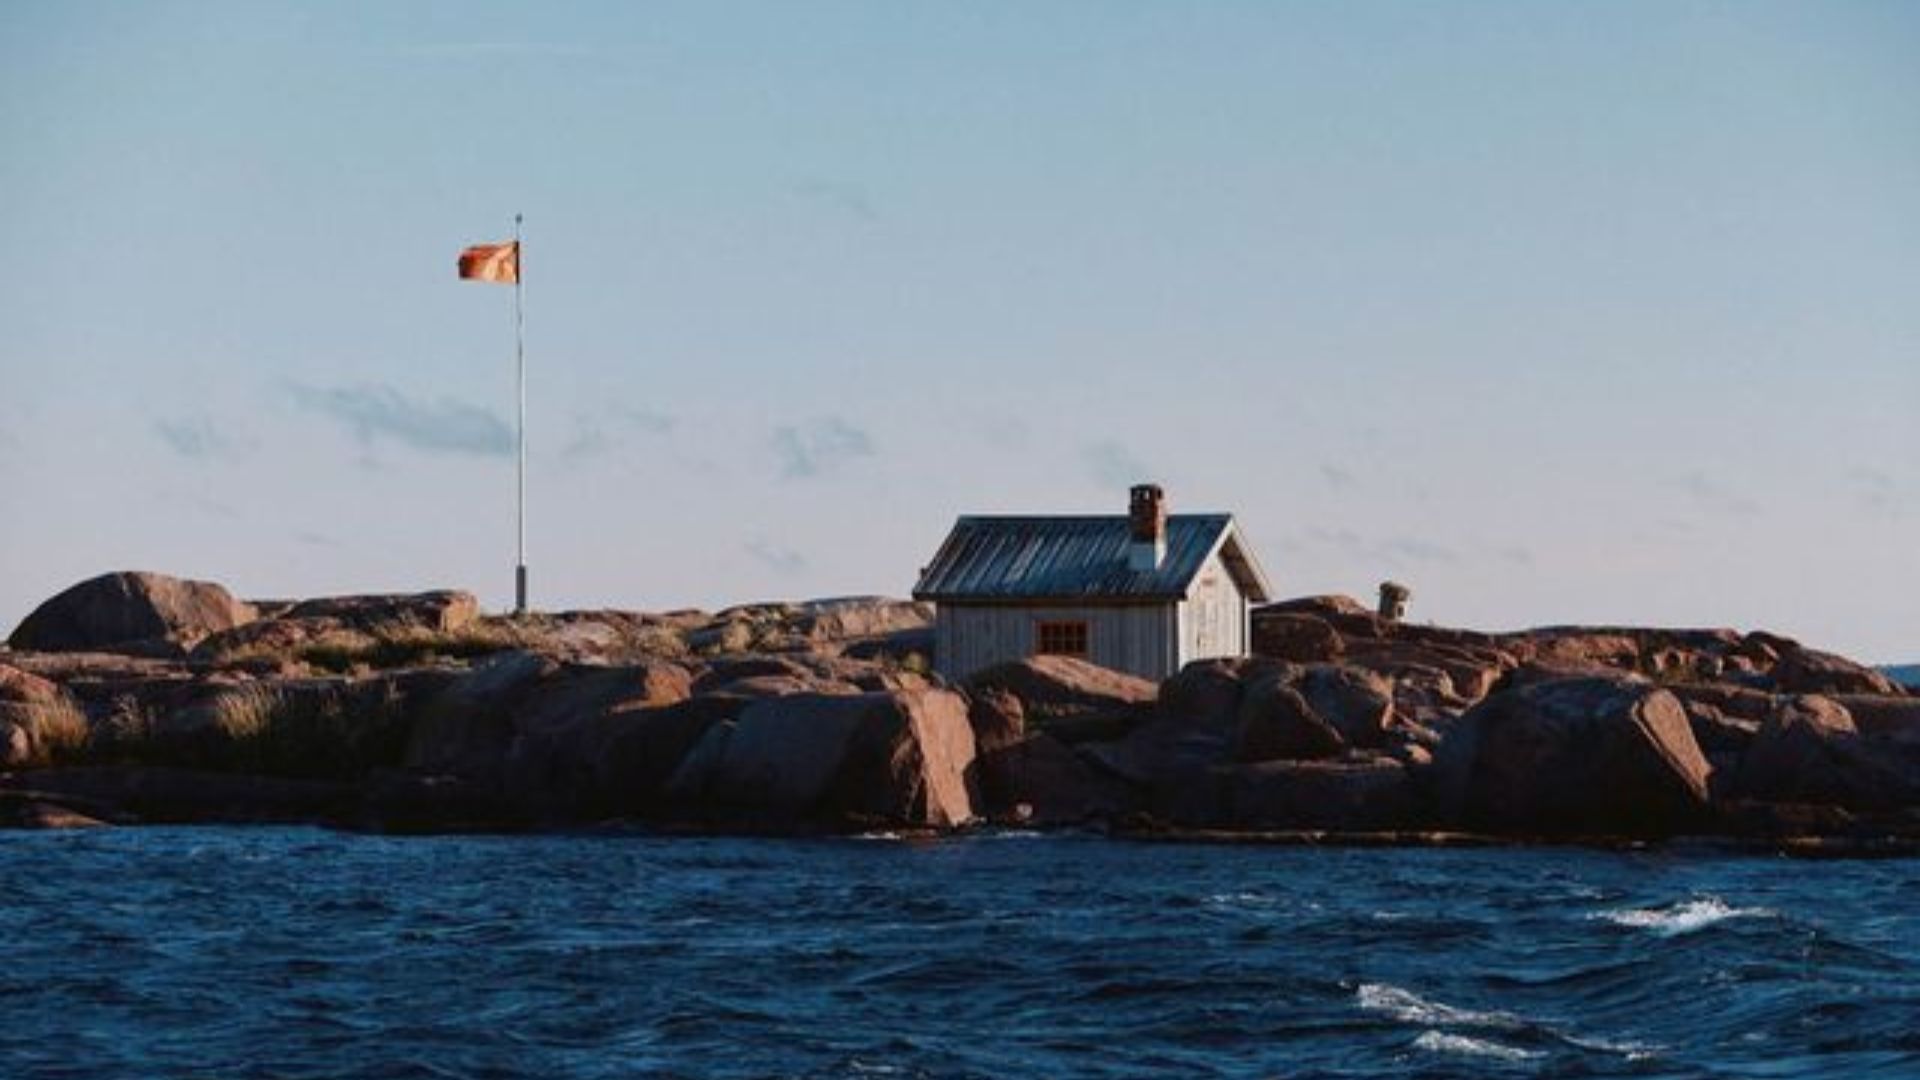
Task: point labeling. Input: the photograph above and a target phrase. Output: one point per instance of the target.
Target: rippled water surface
(303, 953)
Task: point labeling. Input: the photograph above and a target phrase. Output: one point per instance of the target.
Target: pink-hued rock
(130, 611)
(1312, 711)
(899, 758)
(1050, 686)
(1809, 671)
(1810, 751)
(1594, 756)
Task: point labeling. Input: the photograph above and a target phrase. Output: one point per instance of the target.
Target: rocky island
(136, 697)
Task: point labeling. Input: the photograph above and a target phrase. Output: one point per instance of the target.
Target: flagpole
(520, 371)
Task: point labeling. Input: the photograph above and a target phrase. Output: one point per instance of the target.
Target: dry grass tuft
(57, 729)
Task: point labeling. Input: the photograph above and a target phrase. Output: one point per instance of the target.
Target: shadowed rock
(1810, 751)
(896, 758)
(1348, 796)
(1589, 756)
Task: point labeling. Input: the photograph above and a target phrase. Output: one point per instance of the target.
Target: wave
(1626, 1048)
(1440, 1042)
(1684, 917)
(1240, 900)
(1407, 1006)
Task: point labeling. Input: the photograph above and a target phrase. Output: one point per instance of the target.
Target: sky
(1558, 313)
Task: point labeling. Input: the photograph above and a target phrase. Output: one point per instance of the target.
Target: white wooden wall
(1138, 638)
(1214, 620)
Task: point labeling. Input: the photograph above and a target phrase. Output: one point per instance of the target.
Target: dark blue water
(303, 953)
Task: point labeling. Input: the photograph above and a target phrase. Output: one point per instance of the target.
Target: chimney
(1147, 527)
(1393, 600)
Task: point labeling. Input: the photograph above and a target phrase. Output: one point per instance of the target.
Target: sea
(300, 952)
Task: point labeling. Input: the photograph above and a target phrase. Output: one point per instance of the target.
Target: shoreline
(417, 714)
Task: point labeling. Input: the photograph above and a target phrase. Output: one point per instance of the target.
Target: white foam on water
(1439, 1042)
(1241, 899)
(1632, 1051)
(1684, 917)
(1410, 1007)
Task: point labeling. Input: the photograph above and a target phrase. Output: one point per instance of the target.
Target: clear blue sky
(1558, 313)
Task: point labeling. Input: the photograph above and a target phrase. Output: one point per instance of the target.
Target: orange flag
(492, 262)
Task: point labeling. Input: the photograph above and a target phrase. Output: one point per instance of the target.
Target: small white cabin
(1145, 592)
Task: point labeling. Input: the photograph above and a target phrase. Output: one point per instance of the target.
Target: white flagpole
(520, 370)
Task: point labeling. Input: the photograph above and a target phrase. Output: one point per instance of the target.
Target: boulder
(776, 686)
(1276, 722)
(1810, 671)
(467, 729)
(901, 646)
(634, 754)
(130, 611)
(1346, 796)
(1583, 756)
(1810, 751)
(1206, 694)
(1040, 780)
(998, 720)
(858, 617)
(1890, 720)
(1314, 711)
(1356, 702)
(1433, 675)
(897, 758)
(1072, 698)
(443, 610)
(731, 669)
(562, 722)
(1300, 638)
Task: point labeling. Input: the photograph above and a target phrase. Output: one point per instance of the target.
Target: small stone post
(1393, 601)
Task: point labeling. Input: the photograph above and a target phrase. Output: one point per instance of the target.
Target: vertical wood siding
(1214, 616)
(1139, 638)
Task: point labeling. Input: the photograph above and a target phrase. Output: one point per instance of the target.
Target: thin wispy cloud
(852, 200)
(373, 413)
(781, 560)
(1420, 550)
(1713, 497)
(1112, 464)
(819, 447)
(1392, 551)
(199, 438)
(597, 435)
(1874, 491)
(1337, 477)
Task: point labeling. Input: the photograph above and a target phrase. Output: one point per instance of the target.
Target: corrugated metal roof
(1074, 558)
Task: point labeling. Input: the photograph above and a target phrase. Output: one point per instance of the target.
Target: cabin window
(1061, 638)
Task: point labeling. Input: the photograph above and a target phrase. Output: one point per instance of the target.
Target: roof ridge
(1066, 557)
